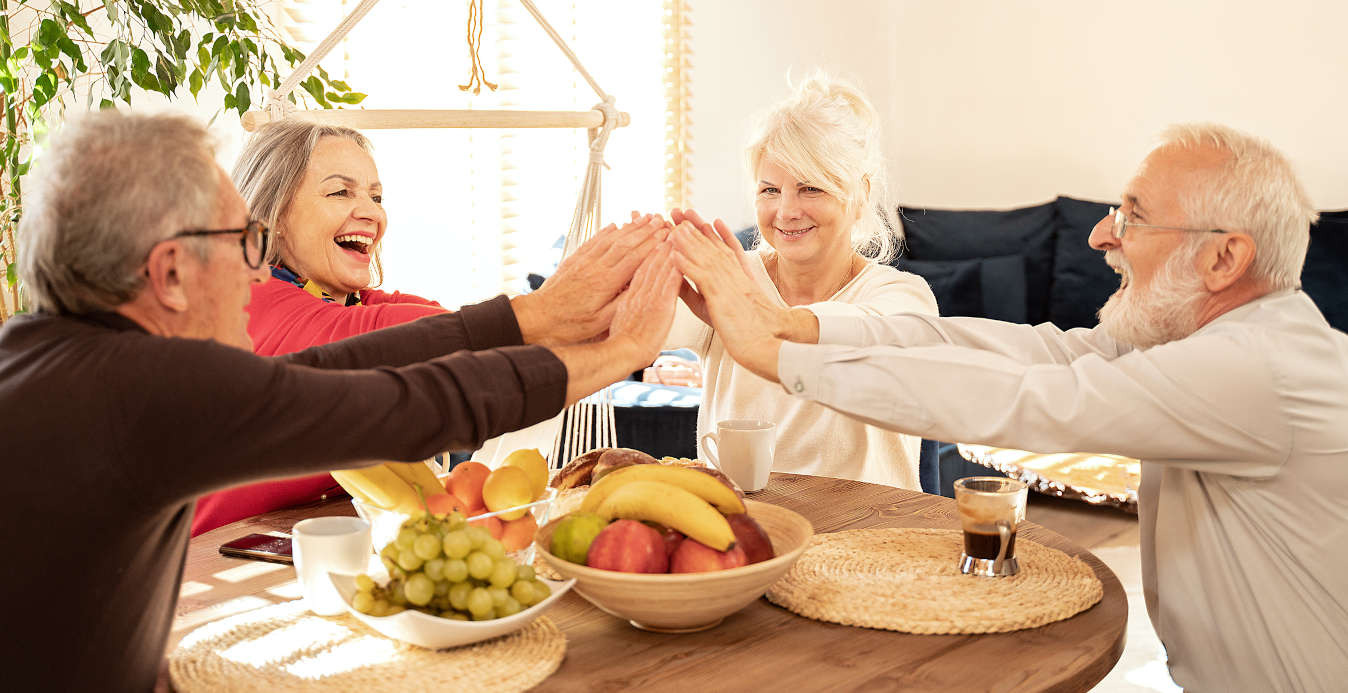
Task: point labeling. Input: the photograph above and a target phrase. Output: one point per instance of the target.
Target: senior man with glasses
(131, 389)
(1209, 364)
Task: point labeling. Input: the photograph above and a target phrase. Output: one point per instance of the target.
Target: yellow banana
(417, 474)
(671, 506)
(384, 488)
(352, 484)
(702, 485)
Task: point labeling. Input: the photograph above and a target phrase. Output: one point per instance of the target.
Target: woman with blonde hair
(826, 231)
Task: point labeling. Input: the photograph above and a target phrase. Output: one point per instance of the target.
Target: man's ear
(165, 272)
(1227, 261)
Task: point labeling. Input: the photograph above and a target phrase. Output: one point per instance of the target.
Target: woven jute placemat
(909, 580)
(284, 647)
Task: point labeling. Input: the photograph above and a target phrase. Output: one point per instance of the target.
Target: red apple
(693, 556)
(630, 547)
(749, 535)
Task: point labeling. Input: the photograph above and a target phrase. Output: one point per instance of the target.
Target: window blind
(473, 212)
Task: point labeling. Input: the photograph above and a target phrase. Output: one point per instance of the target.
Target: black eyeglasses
(255, 239)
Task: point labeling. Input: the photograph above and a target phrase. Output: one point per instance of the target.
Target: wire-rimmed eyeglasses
(1121, 225)
(255, 239)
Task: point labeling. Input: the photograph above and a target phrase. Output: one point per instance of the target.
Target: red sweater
(283, 319)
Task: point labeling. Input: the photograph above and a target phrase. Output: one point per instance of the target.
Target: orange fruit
(465, 481)
(519, 533)
(532, 462)
(493, 525)
(507, 487)
(445, 503)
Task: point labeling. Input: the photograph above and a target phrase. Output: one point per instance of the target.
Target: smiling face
(804, 224)
(1160, 289)
(332, 223)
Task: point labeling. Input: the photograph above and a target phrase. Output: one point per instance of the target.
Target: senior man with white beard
(1210, 365)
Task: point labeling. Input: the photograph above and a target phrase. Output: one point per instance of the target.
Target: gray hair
(1255, 191)
(269, 171)
(828, 133)
(109, 188)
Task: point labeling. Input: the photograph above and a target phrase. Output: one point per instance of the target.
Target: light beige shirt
(811, 439)
(1242, 429)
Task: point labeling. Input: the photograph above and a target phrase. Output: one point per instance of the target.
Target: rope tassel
(478, 77)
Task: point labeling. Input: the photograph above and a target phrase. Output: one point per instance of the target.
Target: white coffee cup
(325, 545)
(742, 449)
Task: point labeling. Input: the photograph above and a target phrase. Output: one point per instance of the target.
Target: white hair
(828, 134)
(1167, 309)
(1255, 191)
(109, 188)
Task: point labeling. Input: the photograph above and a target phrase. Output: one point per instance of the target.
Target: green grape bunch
(442, 566)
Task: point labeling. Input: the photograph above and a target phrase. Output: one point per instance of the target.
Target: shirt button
(799, 386)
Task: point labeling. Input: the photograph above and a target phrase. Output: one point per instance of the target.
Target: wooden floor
(1088, 525)
(1112, 535)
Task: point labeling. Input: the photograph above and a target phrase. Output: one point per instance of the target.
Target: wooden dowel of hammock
(401, 119)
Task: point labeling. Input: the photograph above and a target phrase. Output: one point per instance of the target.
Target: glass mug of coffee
(991, 508)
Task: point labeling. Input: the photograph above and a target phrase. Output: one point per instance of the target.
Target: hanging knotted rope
(479, 76)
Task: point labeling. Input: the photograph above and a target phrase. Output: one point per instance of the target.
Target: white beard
(1167, 310)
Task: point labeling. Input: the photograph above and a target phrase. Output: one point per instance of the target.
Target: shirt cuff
(798, 368)
(491, 324)
(835, 328)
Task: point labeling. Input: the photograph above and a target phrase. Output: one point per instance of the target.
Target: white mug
(742, 449)
(325, 545)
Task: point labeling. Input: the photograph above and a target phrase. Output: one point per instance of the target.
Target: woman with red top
(317, 188)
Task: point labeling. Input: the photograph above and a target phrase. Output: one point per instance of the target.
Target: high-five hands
(749, 323)
(579, 300)
(641, 320)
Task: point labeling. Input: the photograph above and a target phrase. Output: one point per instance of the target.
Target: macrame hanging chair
(589, 423)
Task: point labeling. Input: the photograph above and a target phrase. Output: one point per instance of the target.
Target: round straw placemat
(284, 647)
(909, 580)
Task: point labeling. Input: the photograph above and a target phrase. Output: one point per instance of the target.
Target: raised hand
(640, 325)
(579, 300)
(646, 310)
(744, 317)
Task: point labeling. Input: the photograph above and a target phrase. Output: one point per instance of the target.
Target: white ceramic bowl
(384, 524)
(687, 602)
(433, 632)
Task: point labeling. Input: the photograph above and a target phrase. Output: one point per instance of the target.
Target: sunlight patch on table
(364, 651)
(283, 644)
(249, 571)
(192, 588)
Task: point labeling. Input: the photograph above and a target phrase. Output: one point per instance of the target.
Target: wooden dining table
(762, 646)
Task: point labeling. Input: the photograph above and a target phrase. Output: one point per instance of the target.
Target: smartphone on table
(274, 548)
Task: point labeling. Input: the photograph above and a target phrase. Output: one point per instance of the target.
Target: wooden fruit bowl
(687, 602)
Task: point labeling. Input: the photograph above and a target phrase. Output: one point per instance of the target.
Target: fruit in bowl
(509, 502)
(440, 571)
(707, 537)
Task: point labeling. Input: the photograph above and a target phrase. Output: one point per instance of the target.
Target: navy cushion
(990, 287)
(1322, 278)
(748, 237)
(939, 234)
(1082, 280)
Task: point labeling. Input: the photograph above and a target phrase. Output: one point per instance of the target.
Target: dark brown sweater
(108, 434)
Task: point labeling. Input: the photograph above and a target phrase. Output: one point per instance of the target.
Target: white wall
(1002, 103)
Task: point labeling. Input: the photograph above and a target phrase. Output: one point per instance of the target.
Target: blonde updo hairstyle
(827, 134)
